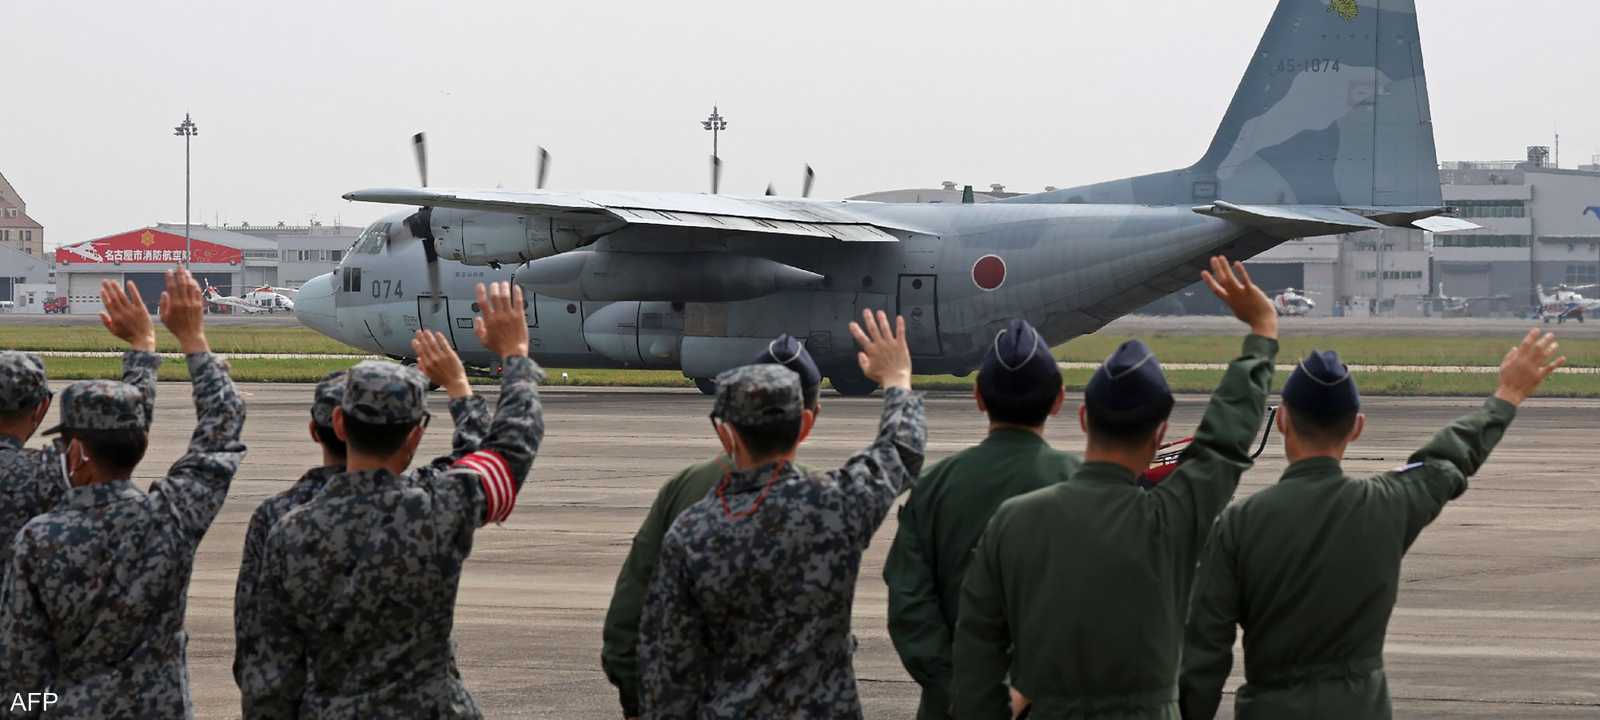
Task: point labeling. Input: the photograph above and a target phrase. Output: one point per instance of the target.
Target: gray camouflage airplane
(1329, 132)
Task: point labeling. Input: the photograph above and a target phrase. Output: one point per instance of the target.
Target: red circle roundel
(989, 272)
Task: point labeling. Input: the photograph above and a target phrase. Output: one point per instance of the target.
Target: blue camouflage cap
(328, 395)
(384, 393)
(22, 381)
(756, 395)
(101, 405)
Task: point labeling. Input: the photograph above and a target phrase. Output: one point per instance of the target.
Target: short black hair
(116, 450)
(1030, 409)
(1126, 431)
(769, 438)
(374, 439)
(330, 440)
(1322, 429)
(21, 413)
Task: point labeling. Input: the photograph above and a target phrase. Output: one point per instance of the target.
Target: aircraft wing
(603, 212)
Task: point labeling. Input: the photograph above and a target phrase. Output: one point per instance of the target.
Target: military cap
(384, 393)
(1322, 384)
(329, 393)
(101, 405)
(791, 353)
(1129, 386)
(1017, 363)
(22, 381)
(756, 395)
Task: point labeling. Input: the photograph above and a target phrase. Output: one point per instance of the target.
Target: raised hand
(503, 326)
(183, 311)
(1248, 302)
(437, 360)
(126, 316)
(1527, 365)
(884, 358)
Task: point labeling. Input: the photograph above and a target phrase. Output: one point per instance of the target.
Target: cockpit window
(373, 239)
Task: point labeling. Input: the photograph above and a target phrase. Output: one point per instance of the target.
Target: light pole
(716, 124)
(186, 130)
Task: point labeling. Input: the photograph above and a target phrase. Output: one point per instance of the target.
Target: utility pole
(716, 124)
(186, 130)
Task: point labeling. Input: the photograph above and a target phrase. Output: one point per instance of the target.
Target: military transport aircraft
(1330, 132)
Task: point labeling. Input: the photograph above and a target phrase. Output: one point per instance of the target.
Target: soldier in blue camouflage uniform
(748, 614)
(95, 598)
(246, 621)
(32, 480)
(619, 651)
(358, 589)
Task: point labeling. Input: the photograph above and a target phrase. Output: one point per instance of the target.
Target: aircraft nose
(315, 306)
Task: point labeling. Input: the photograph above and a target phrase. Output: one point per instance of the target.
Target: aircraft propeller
(544, 167)
(770, 192)
(420, 223)
(811, 176)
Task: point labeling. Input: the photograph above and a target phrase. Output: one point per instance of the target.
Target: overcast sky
(299, 102)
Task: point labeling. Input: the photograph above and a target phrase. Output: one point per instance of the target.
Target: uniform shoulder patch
(1408, 468)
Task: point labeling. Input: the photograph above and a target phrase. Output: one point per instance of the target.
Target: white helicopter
(1566, 303)
(1294, 303)
(264, 299)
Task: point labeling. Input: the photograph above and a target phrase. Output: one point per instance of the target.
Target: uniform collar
(1313, 468)
(317, 476)
(1013, 436)
(754, 479)
(1104, 473)
(360, 482)
(91, 496)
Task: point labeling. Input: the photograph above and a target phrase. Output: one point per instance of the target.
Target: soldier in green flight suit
(1078, 590)
(619, 652)
(1019, 387)
(1310, 567)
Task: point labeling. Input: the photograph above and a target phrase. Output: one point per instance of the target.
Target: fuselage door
(918, 303)
(434, 317)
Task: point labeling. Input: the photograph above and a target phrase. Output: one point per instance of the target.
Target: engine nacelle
(594, 276)
(637, 334)
(487, 238)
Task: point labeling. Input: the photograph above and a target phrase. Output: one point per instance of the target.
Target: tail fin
(1333, 110)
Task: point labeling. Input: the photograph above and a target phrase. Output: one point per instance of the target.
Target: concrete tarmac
(1499, 615)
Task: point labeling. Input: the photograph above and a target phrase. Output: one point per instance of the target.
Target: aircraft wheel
(852, 385)
(707, 386)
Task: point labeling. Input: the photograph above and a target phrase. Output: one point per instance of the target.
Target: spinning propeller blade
(811, 176)
(420, 223)
(544, 167)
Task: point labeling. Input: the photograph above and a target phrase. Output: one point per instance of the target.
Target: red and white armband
(494, 474)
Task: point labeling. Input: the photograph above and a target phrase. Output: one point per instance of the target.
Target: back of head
(762, 403)
(22, 386)
(383, 402)
(109, 420)
(1323, 401)
(1127, 398)
(791, 353)
(1019, 379)
(328, 395)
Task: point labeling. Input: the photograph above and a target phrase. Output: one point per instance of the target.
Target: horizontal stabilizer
(1442, 224)
(1291, 221)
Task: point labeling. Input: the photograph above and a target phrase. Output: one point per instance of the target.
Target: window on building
(1490, 208)
(336, 255)
(27, 236)
(1482, 241)
(1585, 274)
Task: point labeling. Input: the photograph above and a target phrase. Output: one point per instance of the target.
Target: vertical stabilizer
(1333, 110)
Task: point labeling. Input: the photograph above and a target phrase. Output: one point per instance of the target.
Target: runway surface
(1499, 615)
